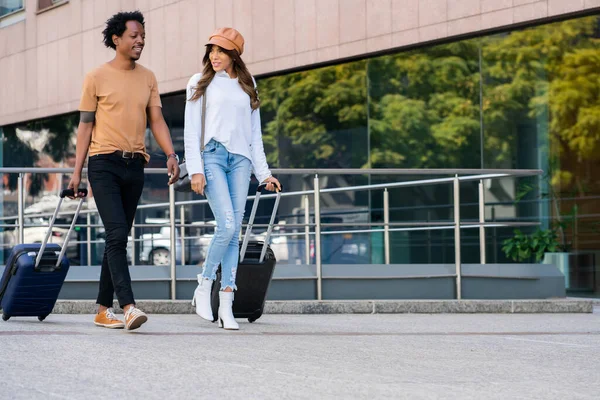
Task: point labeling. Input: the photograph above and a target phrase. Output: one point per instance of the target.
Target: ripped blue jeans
(227, 182)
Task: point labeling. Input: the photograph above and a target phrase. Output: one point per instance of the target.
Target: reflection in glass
(542, 110)
(46, 143)
(424, 113)
(10, 6)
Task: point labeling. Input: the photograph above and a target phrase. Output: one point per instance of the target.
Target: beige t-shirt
(120, 99)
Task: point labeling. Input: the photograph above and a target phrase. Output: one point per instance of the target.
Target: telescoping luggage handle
(259, 190)
(66, 192)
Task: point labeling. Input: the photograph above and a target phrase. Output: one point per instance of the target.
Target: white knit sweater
(229, 120)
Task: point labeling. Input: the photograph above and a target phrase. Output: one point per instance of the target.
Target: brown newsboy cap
(227, 38)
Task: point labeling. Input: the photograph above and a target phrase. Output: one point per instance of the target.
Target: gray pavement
(353, 356)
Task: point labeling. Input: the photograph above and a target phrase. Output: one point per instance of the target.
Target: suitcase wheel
(42, 317)
(257, 314)
(5, 317)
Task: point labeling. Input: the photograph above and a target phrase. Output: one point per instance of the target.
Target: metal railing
(456, 177)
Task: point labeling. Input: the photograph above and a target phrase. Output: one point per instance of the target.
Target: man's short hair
(116, 25)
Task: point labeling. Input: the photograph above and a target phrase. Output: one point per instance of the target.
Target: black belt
(129, 155)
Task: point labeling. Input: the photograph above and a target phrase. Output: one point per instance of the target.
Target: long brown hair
(244, 77)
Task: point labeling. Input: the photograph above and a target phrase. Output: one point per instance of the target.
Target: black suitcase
(35, 273)
(254, 273)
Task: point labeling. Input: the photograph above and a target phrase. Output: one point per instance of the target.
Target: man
(118, 99)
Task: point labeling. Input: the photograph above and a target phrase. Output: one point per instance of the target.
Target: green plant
(522, 247)
(545, 188)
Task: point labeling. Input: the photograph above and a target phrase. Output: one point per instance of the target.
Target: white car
(155, 248)
(37, 234)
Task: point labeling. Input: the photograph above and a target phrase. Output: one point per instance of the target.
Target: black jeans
(117, 184)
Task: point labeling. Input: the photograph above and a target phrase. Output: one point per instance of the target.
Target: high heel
(201, 299)
(225, 314)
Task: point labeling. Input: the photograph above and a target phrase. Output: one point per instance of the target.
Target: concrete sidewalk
(392, 356)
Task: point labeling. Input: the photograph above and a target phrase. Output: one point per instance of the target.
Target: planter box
(561, 261)
(577, 267)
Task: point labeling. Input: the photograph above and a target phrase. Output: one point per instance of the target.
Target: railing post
(21, 207)
(89, 237)
(133, 257)
(182, 221)
(494, 235)
(386, 227)
(482, 256)
(307, 229)
(173, 251)
(457, 236)
(318, 238)
(429, 238)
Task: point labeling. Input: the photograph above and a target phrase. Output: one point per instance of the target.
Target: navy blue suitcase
(35, 273)
(28, 291)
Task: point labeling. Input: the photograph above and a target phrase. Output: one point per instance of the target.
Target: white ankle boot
(201, 299)
(225, 313)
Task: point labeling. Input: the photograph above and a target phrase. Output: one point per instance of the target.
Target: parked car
(36, 234)
(155, 248)
(278, 243)
(343, 248)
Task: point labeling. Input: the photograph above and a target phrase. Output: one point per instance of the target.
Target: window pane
(318, 119)
(424, 113)
(542, 110)
(47, 143)
(9, 6)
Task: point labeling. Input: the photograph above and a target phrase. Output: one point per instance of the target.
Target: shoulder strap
(203, 120)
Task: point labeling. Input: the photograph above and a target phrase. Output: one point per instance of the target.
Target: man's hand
(198, 183)
(272, 184)
(74, 184)
(173, 168)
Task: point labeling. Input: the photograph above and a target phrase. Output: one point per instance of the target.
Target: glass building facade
(526, 99)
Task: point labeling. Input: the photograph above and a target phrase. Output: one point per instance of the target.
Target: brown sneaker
(134, 318)
(108, 319)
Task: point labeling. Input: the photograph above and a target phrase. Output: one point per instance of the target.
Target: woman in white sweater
(221, 165)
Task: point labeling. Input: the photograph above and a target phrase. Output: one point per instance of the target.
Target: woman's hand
(272, 183)
(198, 183)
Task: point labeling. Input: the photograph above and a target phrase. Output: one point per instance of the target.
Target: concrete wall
(44, 56)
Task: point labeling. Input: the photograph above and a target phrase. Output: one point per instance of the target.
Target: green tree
(546, 80)
(58, 145)
(548, 73)
(15, 153)
(61, 130)
(313, 116)
(425, 108)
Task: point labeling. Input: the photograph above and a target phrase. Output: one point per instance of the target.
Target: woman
(232, 148)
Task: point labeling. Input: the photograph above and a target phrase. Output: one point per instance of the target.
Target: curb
(360, 306)
(595, 300)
